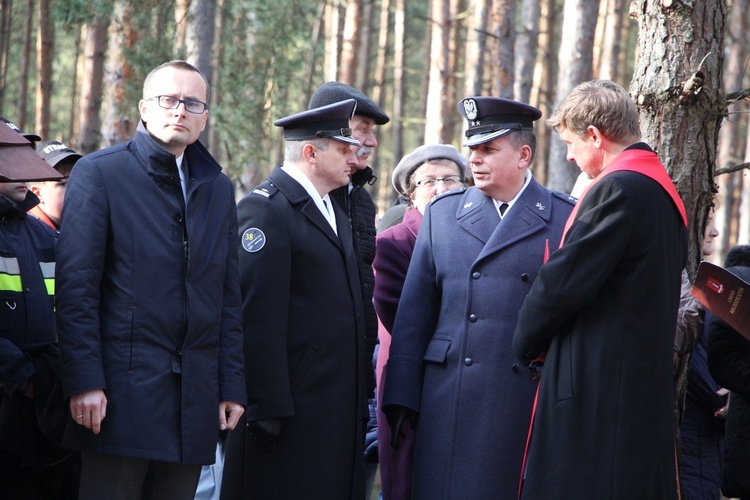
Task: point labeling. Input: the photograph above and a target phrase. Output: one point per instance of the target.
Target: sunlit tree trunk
(6, 11)
(615, 15)
(350, 42)
(362, 80)
(440, 69)
(527, 42)
(504, 23)
(732, 136)
(681, 104)
(399, 88)
(476, 43)
(199, 42)
(45, 53)
(75, 84)
(333, 39)
(317, 30)
(383, 169)
(574, 66)
(181, 8)
(92, 79)
(20, 118)
(542, 95)
(117, 125)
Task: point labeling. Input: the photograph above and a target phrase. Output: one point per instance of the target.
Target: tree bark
(440, 67)
(45, 53)
(117, 125)
(75, 84)
(476, 44)
(92, 78)
(181, 8)
(20, 119)
(399, 88)
(574, 66)
(333, 40)
(679, 92)
(527, 42)
(543, 94)
(504, 20)
(609, 55)
(362, 79)
(350, 42)
(6, 11)
(731, 148)
(199, 42)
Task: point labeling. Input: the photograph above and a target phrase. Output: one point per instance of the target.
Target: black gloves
(265, 432)
(396, 414)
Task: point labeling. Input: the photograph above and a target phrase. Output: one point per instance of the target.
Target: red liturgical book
(725, 295)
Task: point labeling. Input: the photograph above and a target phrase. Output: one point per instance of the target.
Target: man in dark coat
(451, 365)
(303, 324)
(32, 411)
(729, 363)
(148, 308)
(604, 311)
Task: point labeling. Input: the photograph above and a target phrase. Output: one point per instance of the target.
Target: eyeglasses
(450, 181)
(171, 102)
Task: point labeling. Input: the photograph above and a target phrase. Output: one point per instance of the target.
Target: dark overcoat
(604, 309)
(729, 362)
(148, 300)
(451, 358)
(304, 346)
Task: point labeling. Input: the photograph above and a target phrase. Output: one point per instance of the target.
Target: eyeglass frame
(184, 102)
(430, 182)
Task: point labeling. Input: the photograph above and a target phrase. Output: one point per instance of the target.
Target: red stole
(634, 160)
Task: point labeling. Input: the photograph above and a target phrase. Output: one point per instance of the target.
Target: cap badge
(253, 240)
(539, 206)
(470, 107)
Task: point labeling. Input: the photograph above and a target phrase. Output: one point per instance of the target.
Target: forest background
(72, 70)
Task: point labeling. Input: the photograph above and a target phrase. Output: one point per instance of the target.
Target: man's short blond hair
(293, 149)
(602, 104)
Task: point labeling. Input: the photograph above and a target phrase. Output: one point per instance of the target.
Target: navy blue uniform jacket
(451, 358)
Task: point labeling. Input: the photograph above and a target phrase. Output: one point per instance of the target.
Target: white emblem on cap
(253, 240)
(470, 107)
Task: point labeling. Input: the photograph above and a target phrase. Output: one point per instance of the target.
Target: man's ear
(526, 156)
(309, 153)
(596, 135)
(35, 189)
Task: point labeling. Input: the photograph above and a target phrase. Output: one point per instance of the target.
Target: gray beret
(331, 92)
(424, 154)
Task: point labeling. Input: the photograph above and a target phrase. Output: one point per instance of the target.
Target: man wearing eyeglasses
(451, 372)
(148, 300)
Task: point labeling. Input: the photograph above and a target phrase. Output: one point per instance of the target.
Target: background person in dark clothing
(729, 362)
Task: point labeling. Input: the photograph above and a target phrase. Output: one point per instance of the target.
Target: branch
(738, 96)
(733, 168)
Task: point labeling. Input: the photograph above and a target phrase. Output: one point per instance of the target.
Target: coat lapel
(477, 214)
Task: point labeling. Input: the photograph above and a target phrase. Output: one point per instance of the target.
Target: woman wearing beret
(420, 176)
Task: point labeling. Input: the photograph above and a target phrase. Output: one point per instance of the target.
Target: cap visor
(478, 139)
(21, 164)
(347, 140)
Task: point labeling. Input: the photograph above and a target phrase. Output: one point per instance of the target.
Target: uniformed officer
(451, 365)
(303, 323)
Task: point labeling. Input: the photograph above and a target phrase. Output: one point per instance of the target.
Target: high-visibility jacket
(27, 296)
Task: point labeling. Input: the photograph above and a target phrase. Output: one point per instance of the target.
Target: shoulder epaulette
(565, 197)
(266, 190)
(446, 194)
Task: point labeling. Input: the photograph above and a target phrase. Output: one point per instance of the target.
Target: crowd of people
(491, 339)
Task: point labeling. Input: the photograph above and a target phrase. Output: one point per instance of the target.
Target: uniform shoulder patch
(253, 240)
(571, 200)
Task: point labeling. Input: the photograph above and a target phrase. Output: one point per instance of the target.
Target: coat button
(178, 218)
(515, 367)
(476, 275)
(473, 318)
(468, 361)
(525, 277)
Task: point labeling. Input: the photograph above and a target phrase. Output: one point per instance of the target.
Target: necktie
(503, 207)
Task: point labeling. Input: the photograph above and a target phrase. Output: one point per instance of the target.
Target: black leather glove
(396, 414)
(265, 432)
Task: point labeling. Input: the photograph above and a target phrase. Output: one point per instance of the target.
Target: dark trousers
(58, 481)
(127, 478)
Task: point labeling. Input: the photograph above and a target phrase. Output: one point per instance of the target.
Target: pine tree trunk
(476, 43)
(678, 88)
(574, 66)
(504, 20)
(181, 8)
(75, 84)
(732, 138)
(92, 78)
(440, 66)
(6, 11)
(399, 89)
(45, 53)
(199, 42)
(527, 42)
(117, 125)
(20, 119)
(350, 42)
